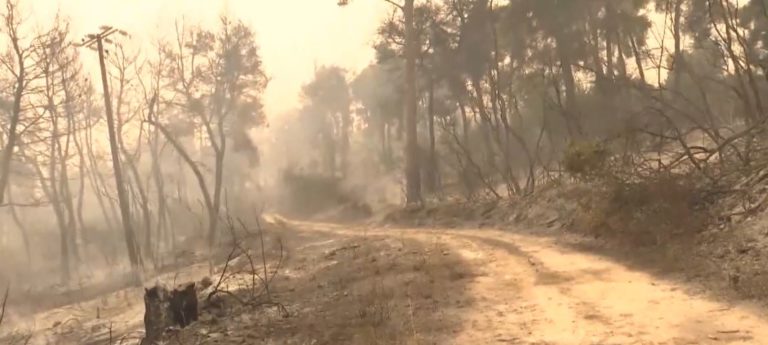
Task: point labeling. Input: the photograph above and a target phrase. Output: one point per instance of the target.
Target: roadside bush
(586, 160)
(621, 202)
(650, 211)
(308, 194)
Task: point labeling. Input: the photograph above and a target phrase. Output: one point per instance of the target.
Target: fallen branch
(255, 299)
(278, 266)
(263, 255)
(237, 244)
(31, 204)
(5, 301)
(19, 339)
(223, 272)
(254, 274)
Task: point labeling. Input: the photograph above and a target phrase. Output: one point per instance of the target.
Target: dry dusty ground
(370, 285)
(522, 289)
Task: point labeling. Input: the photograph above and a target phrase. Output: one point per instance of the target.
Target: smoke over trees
(475, 98)
(183, 120)
(504, 88)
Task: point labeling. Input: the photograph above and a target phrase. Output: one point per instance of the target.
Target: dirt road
(528, 290)
(344, 284)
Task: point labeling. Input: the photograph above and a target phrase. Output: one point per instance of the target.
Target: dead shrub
(375, 306)
(648, 211)
(586, 160)
(374, 310)
(627, 202)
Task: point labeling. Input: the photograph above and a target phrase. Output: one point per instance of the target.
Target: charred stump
(165, 308)
(183, 305)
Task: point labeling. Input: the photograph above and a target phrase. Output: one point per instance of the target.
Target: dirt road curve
(370, 285)
(528, 290)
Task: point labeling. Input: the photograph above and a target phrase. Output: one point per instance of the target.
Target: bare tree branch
(5, 301)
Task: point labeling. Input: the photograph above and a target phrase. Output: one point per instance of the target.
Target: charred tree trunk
(81, 184)
(621, 61)
(597, 58)
(381, 126)
(329, 152)
(571, 106)
(677, 31)
(157, 175)
(638, 58)
(65, 188)
(345, 128)
(21, 82)
(22, 228)
(213, 216)
(432, 169)
(467, 175)
(412, 171)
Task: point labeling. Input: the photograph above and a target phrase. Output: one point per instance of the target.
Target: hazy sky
(293, 34)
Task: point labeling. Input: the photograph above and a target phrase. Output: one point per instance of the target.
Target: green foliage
(586, 160)
(530, 76)
(328, 90)
(219, 75)
(379, 89)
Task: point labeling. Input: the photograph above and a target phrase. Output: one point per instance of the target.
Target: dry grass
(647, 212)
(374, 309)
(358, 290)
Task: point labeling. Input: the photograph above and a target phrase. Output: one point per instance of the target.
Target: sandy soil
(530, 290)
(372, 285)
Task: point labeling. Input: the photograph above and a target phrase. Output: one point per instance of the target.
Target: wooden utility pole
(122, 195)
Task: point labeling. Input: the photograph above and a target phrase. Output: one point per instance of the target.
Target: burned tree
(218, 93)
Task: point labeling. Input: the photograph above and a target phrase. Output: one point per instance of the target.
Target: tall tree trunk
(638, 58)
(157, 175)
(64, 153)
(220, 149)
(597, 58)
(467, 175)
(96, 179)
(571, 103)
(143, 205)
(432, 172)
(217, 191)
(48, 185)
(381, 126)
(330, 153)
(143, 199)
(677, 31)
(54, 184)
(621, 61)
(10, 145)
(190, 162)
(23, 230)
(81, 185)
(465, 123)
(345, 128)
(486, 123)
(412, 171)
(65, 194)
(609, 71)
